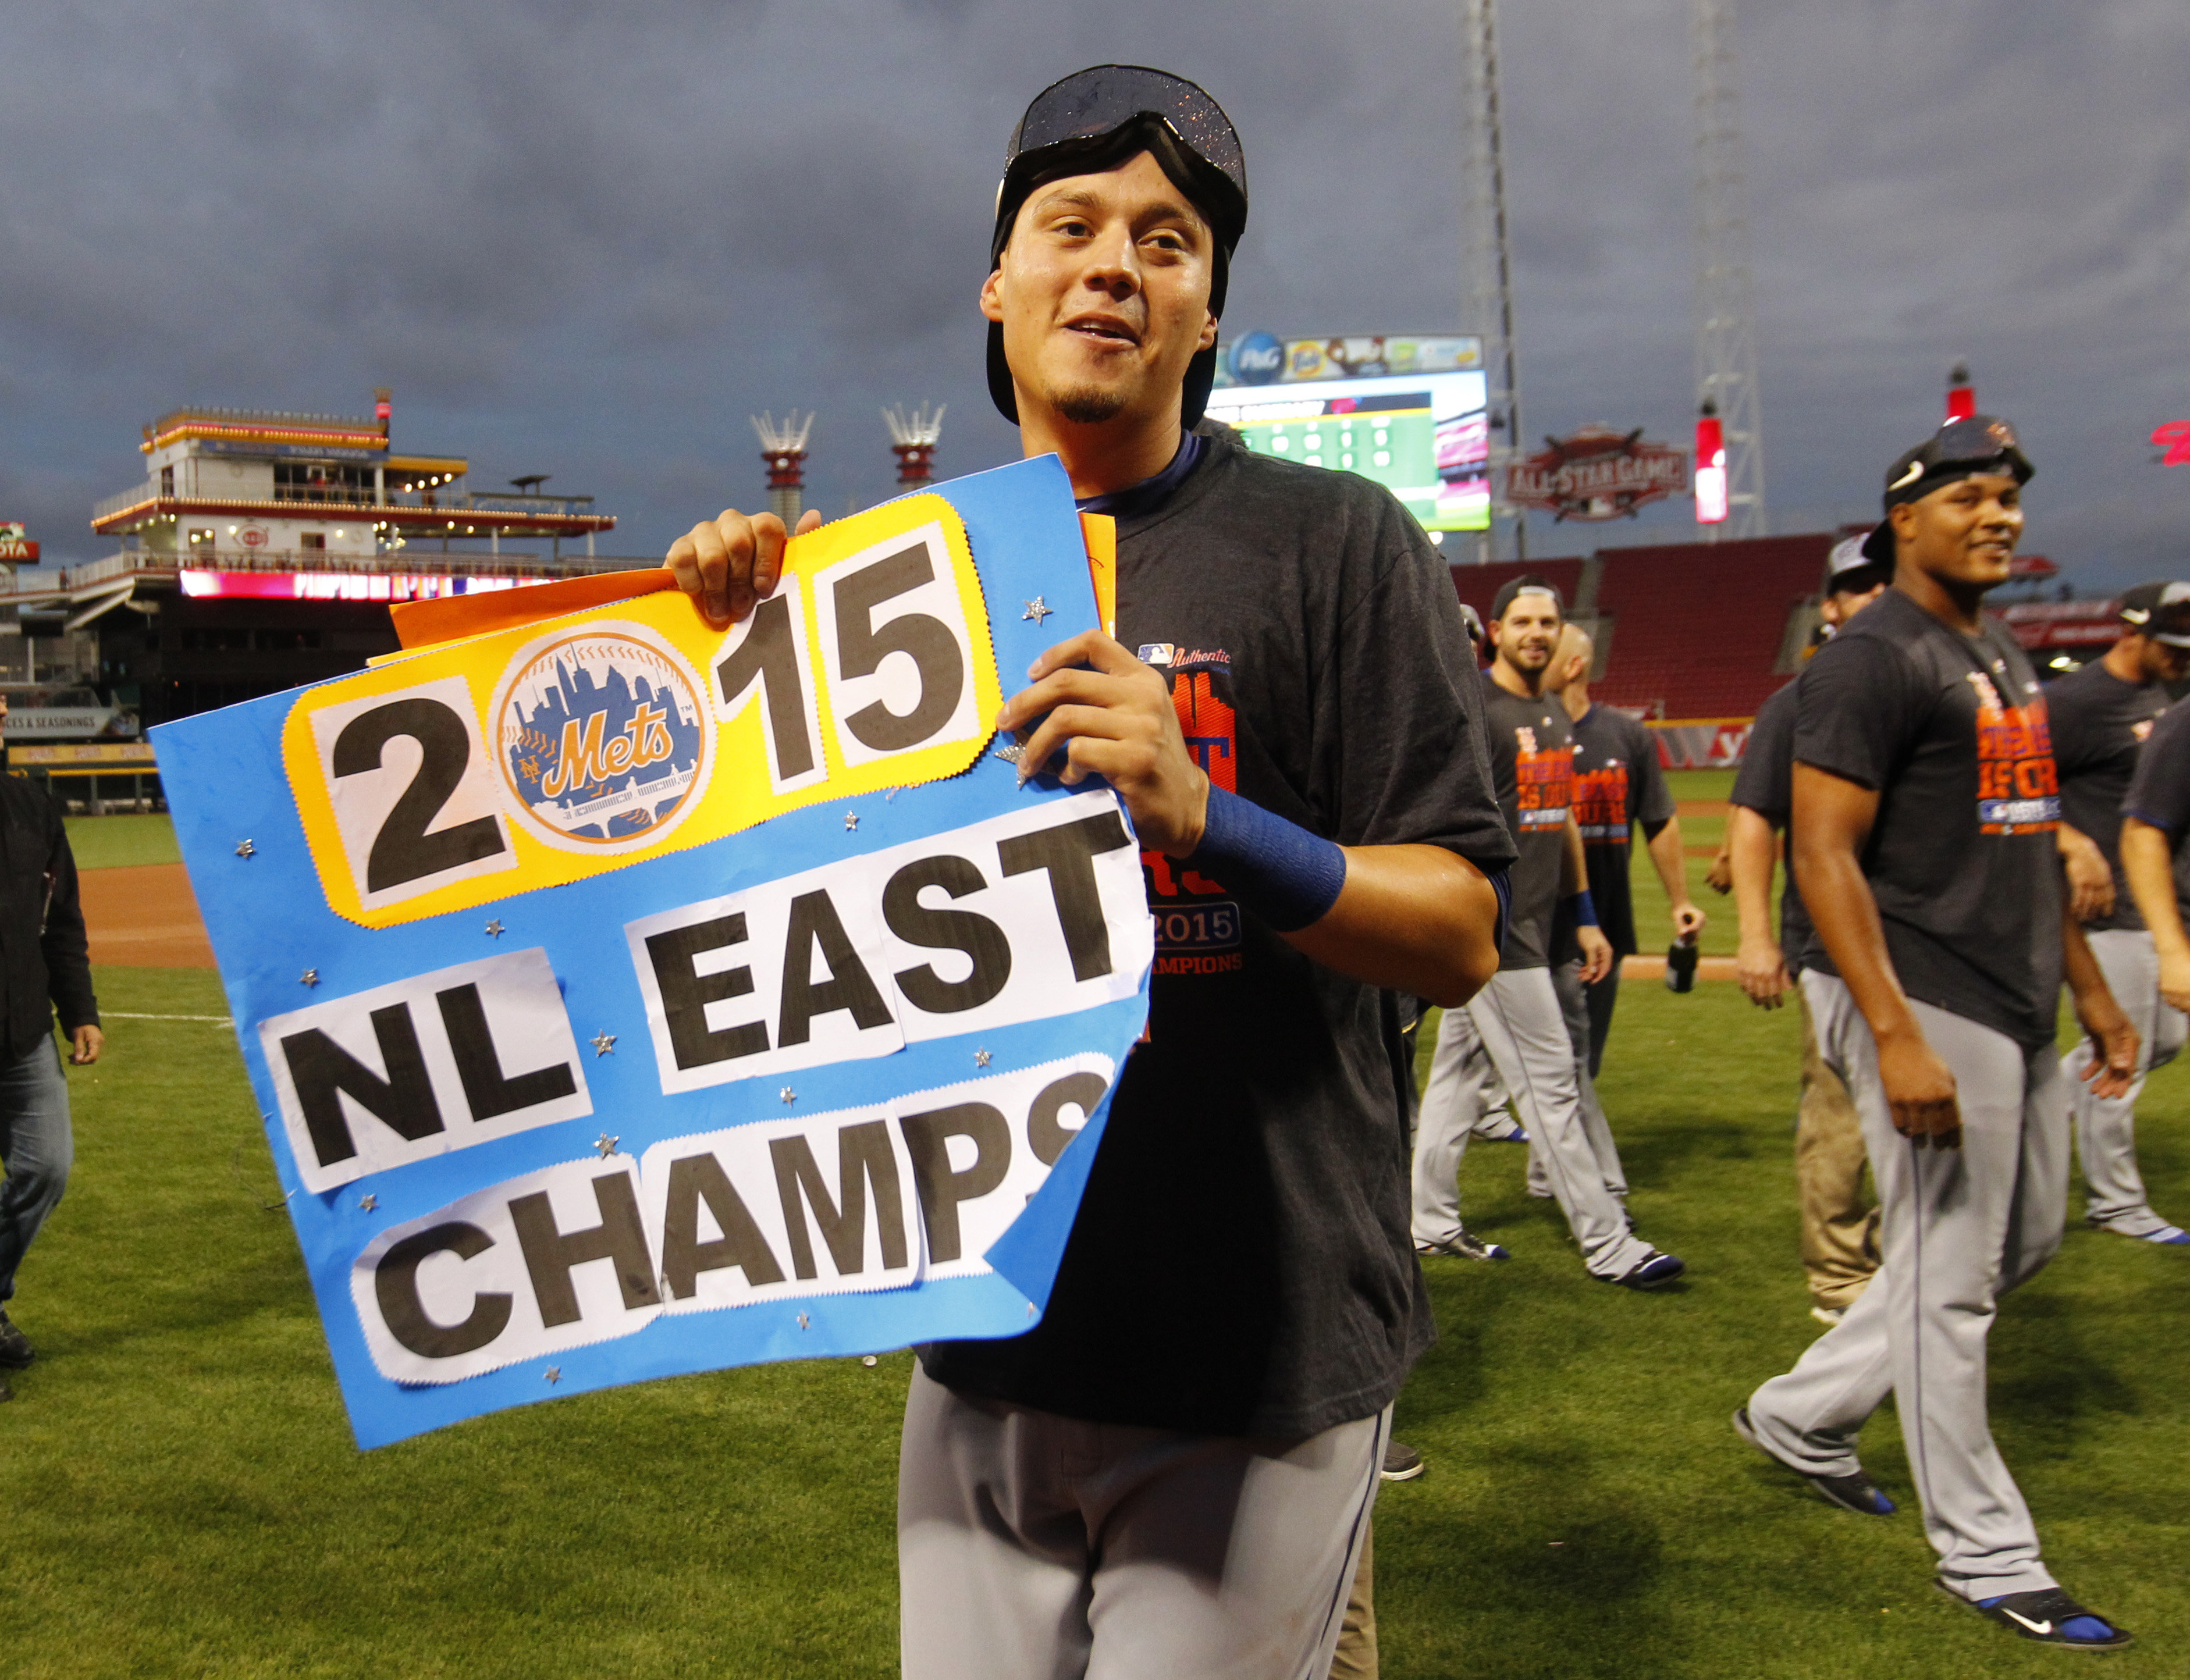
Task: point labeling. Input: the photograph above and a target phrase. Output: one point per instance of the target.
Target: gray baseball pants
(2106, 1127)
(1525, 1033)
(1960, 1228)
(1032, 1547)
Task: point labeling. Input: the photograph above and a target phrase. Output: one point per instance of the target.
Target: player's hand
(1596, 954)
(2090, 880)
(2113, 1046)
(1117, 722)
(1919, 1091)
(729, 563)
(2175, 979)
(1687, 921)
(1761, 968)
(1719, 877)
(88, 1043)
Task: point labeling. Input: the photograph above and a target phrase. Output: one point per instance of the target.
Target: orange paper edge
(1100, 532)
(420, 624)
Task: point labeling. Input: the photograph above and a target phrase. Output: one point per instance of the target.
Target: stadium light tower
(1725, 318)
(913, 441)
(1490, 297)
(784, 448)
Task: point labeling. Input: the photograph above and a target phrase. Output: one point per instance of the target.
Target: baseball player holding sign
(1924, 818)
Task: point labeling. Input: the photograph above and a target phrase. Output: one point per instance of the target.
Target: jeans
(37, 1148)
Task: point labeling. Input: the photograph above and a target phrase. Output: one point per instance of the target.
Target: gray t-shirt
(1766, 785)
(1242, 1263)
(2099, 724)
(1950, 731)
(1617, 783)
(2160, 792)
(1532, 766)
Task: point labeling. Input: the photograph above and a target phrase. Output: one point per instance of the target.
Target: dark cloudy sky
(589, 239)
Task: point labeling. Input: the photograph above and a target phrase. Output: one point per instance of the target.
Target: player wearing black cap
(1839, 1223)
(1171, 1474)
(1925, 811)
(1517, 1016)
(2101, 716)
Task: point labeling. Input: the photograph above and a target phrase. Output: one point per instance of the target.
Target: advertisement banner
(626, 998)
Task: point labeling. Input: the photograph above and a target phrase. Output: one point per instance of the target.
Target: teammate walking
(2155, 823)
(1517, 1016)
(1171, 1474)
(1924, 814)
(2101, 716)
(1617, 784)
(1839, 1221)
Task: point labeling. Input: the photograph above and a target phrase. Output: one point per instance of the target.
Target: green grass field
(124, 838)
(182, 1497)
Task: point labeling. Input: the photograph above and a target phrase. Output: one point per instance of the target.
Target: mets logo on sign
(602, 737)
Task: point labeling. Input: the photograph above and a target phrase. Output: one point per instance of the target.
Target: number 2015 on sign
(615, 735)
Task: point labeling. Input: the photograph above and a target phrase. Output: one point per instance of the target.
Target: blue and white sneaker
(1857, 1492)
(2168, 1236)
(2050, 1617)
(1466, 1246)
(1654, 1272)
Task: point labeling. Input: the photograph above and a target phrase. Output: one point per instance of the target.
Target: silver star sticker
(851, 821)
(494, 929)
(1037, 609)
(802, 1321)
(244, 849)
(554, 1373)
(789, 1095)
(368, 1202)
(310, 977)
(980, 1059)
(606, 1144)
(603, 1043)
(1010, 751)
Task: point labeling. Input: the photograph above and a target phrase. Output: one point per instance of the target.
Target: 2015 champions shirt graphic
(2018, 788)
(1197, 927)
(1543, 782)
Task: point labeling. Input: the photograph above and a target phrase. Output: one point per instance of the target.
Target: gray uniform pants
(1961, 1228)
(1578, 1004)
(2106, 1127)
(1523, 1030)
(1032, 1547)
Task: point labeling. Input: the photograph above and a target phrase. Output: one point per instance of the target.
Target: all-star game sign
(626, 998)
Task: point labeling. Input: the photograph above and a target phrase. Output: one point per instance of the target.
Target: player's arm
(1753, 853)
(1832, 819)
(2147, 863)
(1574, 888)
(2091, 882)
(1671, 863)
(1409, 918)
(2113, 1039)
(1719, 877)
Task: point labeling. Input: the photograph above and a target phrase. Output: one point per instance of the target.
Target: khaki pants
(1357, 1638)
(1840, 1224)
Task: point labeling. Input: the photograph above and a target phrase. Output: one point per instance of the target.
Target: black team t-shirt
(1532, 762)
(1241, 1263)
(2099, 724)
(1950, 730)
(2160, 792)
(1617, 784)
(1765, 784)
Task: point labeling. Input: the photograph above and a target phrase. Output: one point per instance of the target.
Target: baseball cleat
(2050, 1616)
(15, 1350)
(1654, 1272)
(1828, 1316)
(1465, 1246)
(2168, 1236)
(1402, 1464)
(1857, 1492)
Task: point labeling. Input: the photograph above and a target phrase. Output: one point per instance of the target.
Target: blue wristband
(1285, 875)
(1584, 908)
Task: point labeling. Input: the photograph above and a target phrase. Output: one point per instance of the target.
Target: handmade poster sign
(626, 998)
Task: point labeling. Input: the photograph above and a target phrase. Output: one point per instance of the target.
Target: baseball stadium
(568, 1067)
